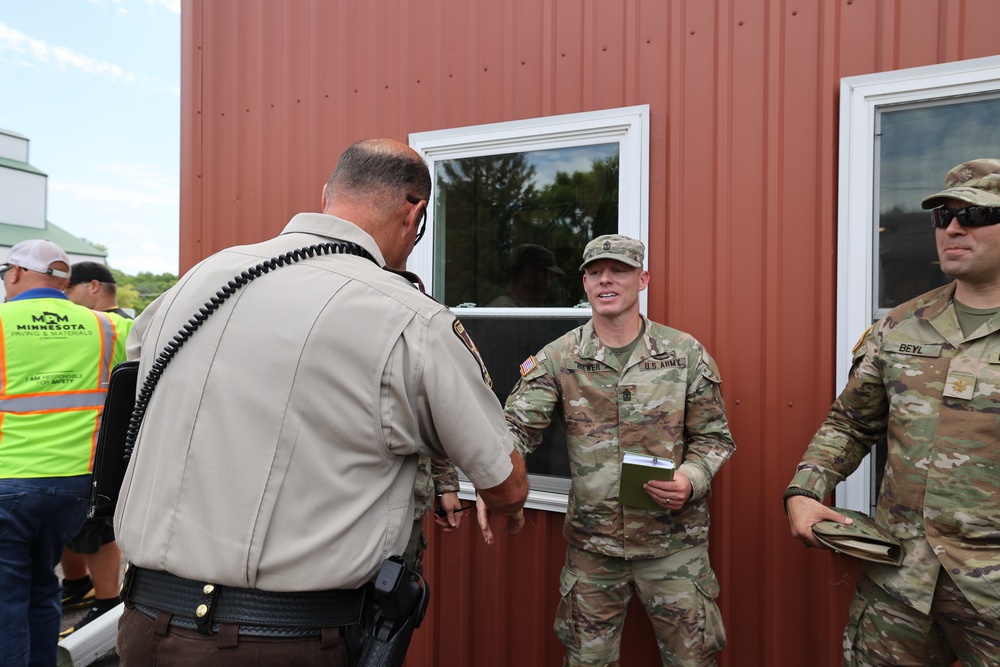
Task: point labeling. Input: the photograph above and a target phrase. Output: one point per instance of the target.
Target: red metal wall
(743, 177)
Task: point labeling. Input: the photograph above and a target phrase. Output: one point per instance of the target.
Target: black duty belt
(204, 606)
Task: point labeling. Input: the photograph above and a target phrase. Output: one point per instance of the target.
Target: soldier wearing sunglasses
(927, 378)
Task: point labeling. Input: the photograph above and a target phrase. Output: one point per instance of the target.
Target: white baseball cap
(39, 255)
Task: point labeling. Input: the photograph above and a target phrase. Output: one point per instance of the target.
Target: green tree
(488, 205)
(137, 292)
(481, 201)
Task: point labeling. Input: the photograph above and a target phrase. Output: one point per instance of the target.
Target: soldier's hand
(804, 512)
(671, 495)
(451, 506)
(515, 522)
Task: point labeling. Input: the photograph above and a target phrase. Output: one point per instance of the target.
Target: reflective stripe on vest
(56, 401)
(55, 363)
(66, 400)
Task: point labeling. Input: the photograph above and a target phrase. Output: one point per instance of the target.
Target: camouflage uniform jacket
(433, 478)
(666, 402)
(936, 395)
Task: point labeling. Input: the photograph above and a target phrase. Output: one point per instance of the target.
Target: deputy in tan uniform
(279, 449)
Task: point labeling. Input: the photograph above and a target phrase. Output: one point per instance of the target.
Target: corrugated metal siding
(744, 121)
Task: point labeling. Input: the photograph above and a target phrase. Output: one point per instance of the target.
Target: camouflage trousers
(413, 556)
(678, 592)
(884, 631)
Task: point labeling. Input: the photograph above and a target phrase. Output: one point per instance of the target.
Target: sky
(95, 86)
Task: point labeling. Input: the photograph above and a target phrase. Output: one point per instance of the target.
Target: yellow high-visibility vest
(55, 360)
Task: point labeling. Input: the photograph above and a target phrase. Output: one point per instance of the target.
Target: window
(513, 206)
(900, 133)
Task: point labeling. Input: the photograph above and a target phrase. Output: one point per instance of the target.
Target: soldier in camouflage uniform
(433, 478)
(621, 383)
(927, 377)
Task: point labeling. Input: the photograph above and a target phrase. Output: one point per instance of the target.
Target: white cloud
(110, 194)
(125, 183)
(43, 53)
(170, 5)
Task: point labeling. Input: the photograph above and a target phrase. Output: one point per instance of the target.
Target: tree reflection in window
(498, 216)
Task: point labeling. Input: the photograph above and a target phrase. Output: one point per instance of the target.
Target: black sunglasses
(970, 216)
(5, 269)
(423, 216)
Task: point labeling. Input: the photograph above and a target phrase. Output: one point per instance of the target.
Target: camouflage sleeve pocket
(709, 369)
(531, 367)
(861, 347)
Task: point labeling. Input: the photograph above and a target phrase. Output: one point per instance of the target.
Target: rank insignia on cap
(528, 365)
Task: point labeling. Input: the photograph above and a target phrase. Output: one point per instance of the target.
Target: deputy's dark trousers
(144, 642)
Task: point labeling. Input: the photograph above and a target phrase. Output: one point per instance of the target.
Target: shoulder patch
(861, 340)
(528, 365)
(464, 336)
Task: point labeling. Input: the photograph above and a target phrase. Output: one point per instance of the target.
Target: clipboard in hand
(637, 469)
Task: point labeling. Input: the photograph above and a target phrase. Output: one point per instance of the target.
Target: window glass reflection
(512, 227)
(503, 343)
(918, 145)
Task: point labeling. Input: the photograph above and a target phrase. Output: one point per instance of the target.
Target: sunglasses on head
(423, 217)
(970, 216)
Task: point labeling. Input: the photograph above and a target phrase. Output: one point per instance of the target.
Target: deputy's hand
(804, 512)
(515, 522)
(452, 519)
(672, 495)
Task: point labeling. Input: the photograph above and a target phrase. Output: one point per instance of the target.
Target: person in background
(434, 478)
(55, 360)
(276, 462)
(529, 277)
(91, 562)
(622, 383)
(926, 377)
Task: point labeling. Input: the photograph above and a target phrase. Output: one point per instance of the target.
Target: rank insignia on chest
(626, 395)
(960, 385)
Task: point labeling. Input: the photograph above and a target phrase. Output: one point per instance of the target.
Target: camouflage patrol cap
(976, 182)
(616, 247)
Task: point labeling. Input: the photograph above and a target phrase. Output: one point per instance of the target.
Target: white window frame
(860, 99)
(626, 126)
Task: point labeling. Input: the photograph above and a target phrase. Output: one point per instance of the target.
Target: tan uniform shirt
(279, 448)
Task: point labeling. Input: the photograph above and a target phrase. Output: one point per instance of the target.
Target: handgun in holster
(401, 598)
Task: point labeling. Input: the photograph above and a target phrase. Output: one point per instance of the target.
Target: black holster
(401, 598)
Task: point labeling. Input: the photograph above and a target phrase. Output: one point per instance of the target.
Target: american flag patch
(528, 365)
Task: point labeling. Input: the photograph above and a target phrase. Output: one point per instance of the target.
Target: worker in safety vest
(55, 360)
(91, 562)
